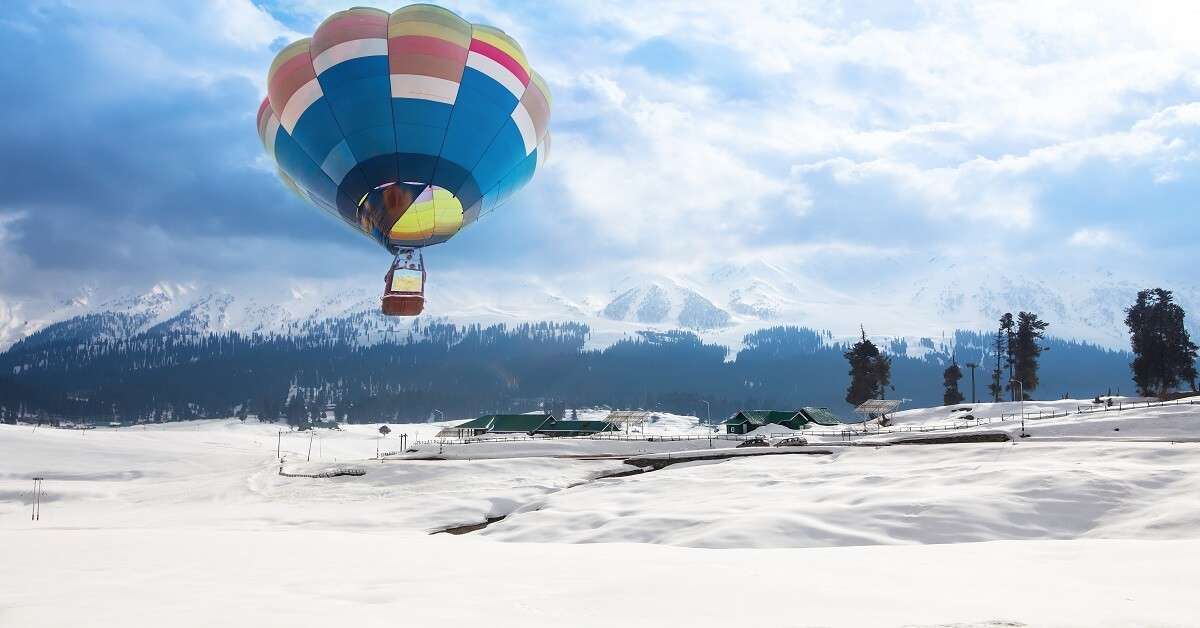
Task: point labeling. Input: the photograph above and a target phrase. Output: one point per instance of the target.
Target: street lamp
(1021, 392)
(709, 406)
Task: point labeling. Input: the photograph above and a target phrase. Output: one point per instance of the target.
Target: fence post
(36, 513)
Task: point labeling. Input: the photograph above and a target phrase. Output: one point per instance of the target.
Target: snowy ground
(190, 524)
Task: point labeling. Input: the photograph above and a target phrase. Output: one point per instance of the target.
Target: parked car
(756, 441)
(793, 441)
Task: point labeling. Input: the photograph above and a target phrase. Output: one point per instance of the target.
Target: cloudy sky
(1040, 135)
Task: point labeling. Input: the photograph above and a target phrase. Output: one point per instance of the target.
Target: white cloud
(1093, 237)
(956, 115)
(245, 25)
(965, 114)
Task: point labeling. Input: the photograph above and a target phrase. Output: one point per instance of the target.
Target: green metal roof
(821, 416)
(481, 423)
(808, 414)
(579, 426)
(759, 418)
(507, 422)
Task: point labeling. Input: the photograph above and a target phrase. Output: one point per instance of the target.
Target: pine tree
(295, 412)
(1025, 349)
(996, 388)
(950, 378)
(1008, 330)
(1164, 354)
(870, 372)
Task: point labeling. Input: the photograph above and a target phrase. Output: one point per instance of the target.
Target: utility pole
(308, 458)
(709, 406)
(972, 365)
(278, 444)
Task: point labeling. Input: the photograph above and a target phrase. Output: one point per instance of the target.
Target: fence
(1040, 414)
(1119, 406)
(608, 436)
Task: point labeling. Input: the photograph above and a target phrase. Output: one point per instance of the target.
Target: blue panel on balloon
(506, 151)
(517, 179)
(336, 77)
(296, 163)
(422, 112)
(416, 138)
(480, 110)
(362, 104)
(317, 131)
(415, 166)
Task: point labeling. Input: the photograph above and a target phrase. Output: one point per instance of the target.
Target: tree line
(1164, 356)
(83, 370)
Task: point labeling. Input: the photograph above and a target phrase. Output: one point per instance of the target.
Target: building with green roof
(576, 428)
(527, 424)
(746, 421)
(821, 416)
(498, 424)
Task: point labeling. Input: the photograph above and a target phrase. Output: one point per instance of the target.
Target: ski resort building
(749, 420)
(498, 424)
(525, 424)
(576, 428)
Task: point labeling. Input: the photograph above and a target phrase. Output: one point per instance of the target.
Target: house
(497, 424)
(576, 428)
(821, 416)
(749, 420)
(543, 424)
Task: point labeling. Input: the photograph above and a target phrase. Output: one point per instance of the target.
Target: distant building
(497, 424)
(749, 420)
(576, 428)
(527, 424)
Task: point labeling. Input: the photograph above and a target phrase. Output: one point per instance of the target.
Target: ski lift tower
(877, 408)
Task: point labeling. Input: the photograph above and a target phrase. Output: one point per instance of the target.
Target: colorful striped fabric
(407, 125)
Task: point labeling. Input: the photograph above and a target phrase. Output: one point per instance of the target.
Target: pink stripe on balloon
(432, 46)
(348, 28)
(262, 109)
(288, 78)
(501, 57)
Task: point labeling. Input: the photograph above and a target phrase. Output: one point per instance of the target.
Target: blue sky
(1037, 135)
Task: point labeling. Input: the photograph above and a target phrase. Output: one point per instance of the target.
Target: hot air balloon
(407, 126)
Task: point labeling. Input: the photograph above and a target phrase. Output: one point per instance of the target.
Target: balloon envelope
(406, 125)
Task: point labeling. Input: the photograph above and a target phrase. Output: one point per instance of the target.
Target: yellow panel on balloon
(436, 212)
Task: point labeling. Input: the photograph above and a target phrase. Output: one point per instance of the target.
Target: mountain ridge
(721, 305)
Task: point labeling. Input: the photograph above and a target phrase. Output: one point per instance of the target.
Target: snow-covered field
(190, 524)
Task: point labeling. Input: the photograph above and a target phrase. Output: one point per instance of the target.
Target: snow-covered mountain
(665, 302)
(720, 304)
